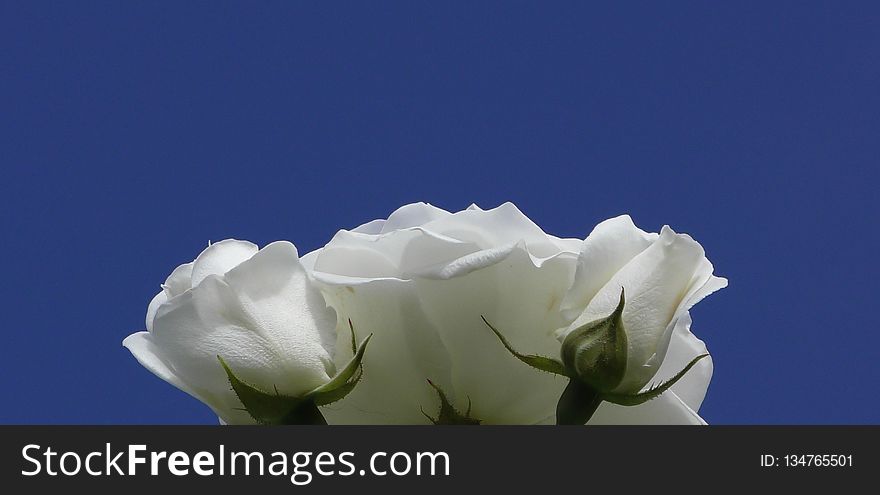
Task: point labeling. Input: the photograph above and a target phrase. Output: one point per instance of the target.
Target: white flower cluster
(264, 336)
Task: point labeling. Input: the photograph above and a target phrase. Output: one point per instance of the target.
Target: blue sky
(132, 134)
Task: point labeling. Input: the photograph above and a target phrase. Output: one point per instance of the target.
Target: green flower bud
(594, 359)
(596, 353)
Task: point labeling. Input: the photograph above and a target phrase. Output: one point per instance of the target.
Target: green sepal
(344, 377)
(353, 339)
(272, 408)
(448, 415)
(596, 352)
(542, 363)
(577, 404)
(331, 396)
(651, 393)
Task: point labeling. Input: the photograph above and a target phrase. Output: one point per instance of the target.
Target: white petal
(702, 284)
(308, 260)
(667, 409)
(412, 215)
(683, 348)
(372, 227)
(431, 249)
(220, 257)
(189, 345)
(468, 263)
(144, 350)
(148, 355)
(499, 226)
(353, 260)
(566, 244)
(711, 285)
(157, 301)
(395, 254)
(284, 305)
(179, 281)
(609, 247)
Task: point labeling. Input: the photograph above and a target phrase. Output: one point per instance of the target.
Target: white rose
(257, 309)
(420, 281)
(663, 276)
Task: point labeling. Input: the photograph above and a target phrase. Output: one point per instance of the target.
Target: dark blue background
(130, 135)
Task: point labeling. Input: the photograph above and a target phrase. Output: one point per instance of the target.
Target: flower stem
(306, 413)
(577, 404)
